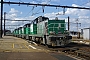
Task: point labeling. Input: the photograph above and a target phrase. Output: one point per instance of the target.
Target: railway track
(75, 49)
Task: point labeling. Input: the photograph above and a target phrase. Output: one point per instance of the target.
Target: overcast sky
(23, 12)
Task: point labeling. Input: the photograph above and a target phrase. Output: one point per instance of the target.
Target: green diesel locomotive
(45, 31)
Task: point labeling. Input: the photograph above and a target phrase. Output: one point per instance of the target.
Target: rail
(85, 53)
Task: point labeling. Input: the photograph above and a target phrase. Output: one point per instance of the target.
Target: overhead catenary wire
(63, 13)
(20, 0)
(16, 20)
(54, 2)
(85, 3)
(38, 1)
(45, 5)
(37, 12)
(13, 25)
(30, 11)
(34, 8)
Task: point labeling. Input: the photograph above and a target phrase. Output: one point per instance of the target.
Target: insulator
(56, 7)
(19, 3)
(9, 3)
(63, 10)
(43, 10)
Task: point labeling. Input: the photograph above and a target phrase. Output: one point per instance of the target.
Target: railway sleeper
(70, 50)
(65, 50)
(74, 49)
(83, 53)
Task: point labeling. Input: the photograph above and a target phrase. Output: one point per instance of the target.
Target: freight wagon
(48, 32)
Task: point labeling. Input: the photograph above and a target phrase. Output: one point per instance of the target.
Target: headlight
(61, 37)
(51, 32)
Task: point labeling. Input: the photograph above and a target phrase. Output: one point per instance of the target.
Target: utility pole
(4, 22)
(78, 33)
(77, 24)
(1, 31)
(68, 24)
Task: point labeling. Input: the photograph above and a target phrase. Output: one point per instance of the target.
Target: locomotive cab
(53, 32)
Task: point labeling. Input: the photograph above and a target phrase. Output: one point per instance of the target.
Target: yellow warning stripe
(26, 46)
(13, 45)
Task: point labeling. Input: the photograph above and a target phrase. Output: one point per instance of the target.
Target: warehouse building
(86, 33)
